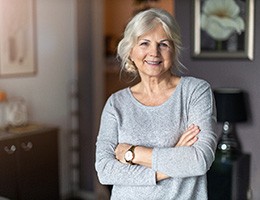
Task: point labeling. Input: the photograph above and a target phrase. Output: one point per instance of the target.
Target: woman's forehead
(156, 30)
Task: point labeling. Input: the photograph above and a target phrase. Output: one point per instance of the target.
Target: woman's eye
(163, 45)
(143, 43)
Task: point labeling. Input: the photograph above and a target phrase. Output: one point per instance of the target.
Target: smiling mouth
(153, 62)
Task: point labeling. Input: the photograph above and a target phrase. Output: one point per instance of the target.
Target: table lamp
(231, 109)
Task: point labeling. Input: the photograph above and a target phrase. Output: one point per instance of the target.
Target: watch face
(128, 155)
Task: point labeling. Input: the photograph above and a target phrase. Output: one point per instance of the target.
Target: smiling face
(153, 53)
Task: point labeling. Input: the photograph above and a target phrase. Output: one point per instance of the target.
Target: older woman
(156, 139)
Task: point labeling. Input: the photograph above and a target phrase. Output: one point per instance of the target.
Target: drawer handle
(10, 150)
(27, 147)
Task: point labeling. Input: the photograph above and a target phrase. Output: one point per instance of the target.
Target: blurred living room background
(75, 70)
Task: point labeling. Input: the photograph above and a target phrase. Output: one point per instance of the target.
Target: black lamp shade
(230, 103)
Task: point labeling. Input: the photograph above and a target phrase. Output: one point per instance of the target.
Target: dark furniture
(228, 178)
(29, 163)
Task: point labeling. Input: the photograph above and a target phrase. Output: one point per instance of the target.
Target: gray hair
(140, 24)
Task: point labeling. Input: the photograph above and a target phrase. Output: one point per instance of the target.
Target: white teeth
(153, 62)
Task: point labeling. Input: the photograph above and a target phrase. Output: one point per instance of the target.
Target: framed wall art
(17, 37)
(223, 29)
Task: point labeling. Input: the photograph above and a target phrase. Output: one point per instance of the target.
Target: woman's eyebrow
(165, 40)
(143, 39)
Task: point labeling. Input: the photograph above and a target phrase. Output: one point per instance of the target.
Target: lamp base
(229, 179)
(229, 143)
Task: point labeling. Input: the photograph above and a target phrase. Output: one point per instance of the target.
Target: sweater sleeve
(109, 170)
(196, 159)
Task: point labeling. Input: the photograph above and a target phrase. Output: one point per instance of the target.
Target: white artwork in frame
(17, 37)
(223, 30)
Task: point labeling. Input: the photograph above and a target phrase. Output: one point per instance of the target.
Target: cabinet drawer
(29, 166)
(8, 165)
(38, 166)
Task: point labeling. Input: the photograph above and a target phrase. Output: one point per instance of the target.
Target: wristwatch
(130, 155)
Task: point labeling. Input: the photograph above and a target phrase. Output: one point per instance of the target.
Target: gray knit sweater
(125, 120)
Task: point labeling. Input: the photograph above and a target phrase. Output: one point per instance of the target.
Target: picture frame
(17, 38)
(215, 35)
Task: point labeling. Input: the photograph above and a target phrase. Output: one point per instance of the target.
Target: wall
(47, 92)
(90, 78)
(230, 73)
(117, 14)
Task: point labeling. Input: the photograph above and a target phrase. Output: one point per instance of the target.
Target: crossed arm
(143, 155)
(192, 158)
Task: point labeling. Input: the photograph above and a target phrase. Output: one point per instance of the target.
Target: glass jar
(16, 112)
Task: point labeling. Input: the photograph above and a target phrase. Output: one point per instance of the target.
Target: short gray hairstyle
(140, 24)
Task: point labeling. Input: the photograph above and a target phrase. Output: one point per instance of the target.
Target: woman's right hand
(189, 137)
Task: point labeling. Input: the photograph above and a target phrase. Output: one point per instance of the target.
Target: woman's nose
(154, 50)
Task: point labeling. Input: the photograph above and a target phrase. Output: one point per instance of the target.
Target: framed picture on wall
(17, 38)
(223, 29)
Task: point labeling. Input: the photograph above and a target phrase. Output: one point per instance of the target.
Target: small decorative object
(231, 109)
(16, 112)
(223, 29)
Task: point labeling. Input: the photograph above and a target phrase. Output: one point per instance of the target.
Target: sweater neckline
(138, 103)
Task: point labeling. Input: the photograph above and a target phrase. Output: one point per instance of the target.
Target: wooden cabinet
(8, 169)
(29, 164)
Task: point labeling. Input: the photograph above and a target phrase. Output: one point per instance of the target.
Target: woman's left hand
(120, 151)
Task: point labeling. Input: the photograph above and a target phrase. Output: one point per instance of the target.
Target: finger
(191, 126)
(191, 142)
(186, 133)
(188, 142)
(191, 134)
(187, 136)
(190, 129)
